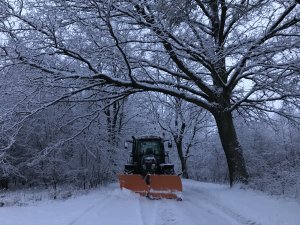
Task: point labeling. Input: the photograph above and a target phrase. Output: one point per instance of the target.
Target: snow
(203, 203)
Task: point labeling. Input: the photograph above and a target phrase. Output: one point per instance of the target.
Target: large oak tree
(228, 55)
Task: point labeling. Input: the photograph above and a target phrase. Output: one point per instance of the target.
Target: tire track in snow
(220, 208)
(171, 212)
(210, 213)
(165, 214)
(148, 211)
(191, 213)
(103, 202)
(157, 212)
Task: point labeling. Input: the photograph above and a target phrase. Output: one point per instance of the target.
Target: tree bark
(178, 141)
(232, 148)
(4, 182)
(182, 159)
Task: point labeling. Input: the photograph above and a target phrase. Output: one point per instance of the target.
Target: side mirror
(169, 144)
(126, 145)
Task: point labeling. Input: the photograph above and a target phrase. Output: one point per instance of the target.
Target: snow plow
(147, 172)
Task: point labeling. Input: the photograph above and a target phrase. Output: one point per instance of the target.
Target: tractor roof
(147, 137)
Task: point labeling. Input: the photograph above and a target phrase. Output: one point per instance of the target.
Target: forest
(218, 79)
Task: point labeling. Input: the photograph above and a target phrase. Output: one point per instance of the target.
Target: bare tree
(229, 55)
(183, 121)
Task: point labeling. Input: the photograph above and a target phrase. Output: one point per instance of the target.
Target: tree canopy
(222, 56)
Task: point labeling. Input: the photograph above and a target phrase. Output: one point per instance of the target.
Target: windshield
(149, 147)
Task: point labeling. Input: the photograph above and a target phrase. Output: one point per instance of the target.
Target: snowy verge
(30, 196)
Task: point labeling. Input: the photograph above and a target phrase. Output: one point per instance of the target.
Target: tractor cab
(148, 147)
(148, 156)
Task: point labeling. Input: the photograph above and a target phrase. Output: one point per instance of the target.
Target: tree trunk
(4, 182)
(182, 159)
(178, 140)
(232, 148)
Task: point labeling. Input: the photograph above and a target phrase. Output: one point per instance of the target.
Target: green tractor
(148, 171)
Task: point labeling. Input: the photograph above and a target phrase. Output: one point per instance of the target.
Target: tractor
(148, 171)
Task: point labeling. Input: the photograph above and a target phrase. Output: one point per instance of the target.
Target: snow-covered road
(203, 203)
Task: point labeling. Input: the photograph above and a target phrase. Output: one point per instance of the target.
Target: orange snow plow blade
(165, 186)
(134, 183)
(160, 186)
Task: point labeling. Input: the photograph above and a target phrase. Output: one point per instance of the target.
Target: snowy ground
(203, 203)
